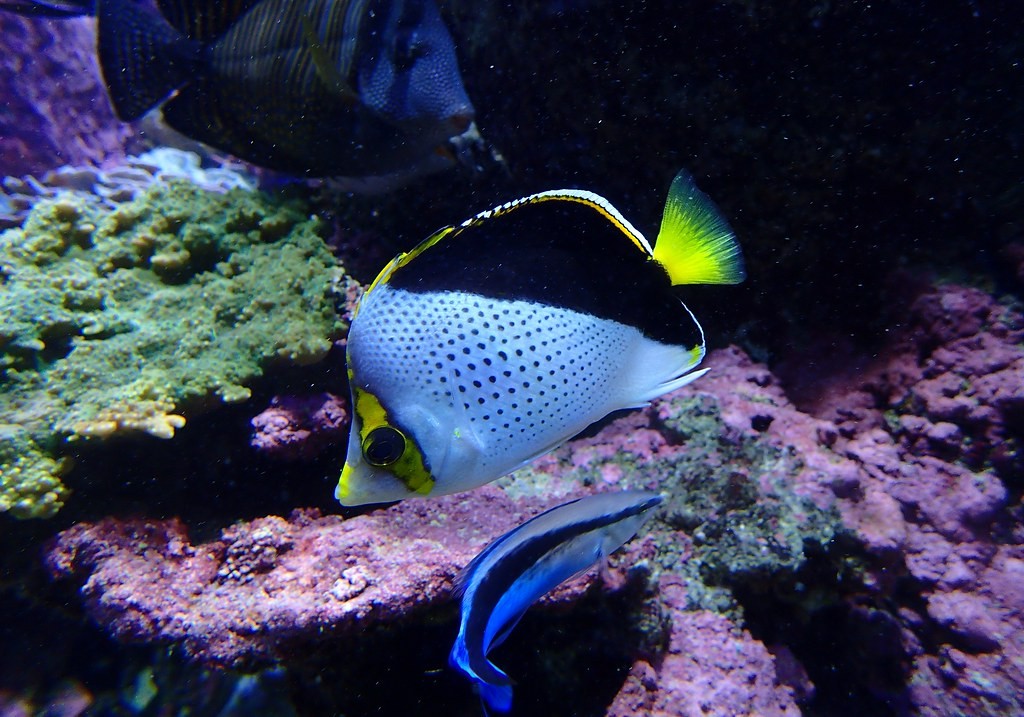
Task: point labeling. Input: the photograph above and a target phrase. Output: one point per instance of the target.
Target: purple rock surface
(710, 667)
(300, 426)
(56, 110)
(934, 425)
(271, 584)
(912, 450)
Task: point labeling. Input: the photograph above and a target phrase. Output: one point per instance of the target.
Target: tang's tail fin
(696, 245)
(143, 58)
(49, 8)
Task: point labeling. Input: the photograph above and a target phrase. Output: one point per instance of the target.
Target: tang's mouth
(472, 151)
(461, 121)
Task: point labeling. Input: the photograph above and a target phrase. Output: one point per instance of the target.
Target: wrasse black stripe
(509, 558)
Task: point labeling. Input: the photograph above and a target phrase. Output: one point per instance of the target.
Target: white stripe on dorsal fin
(573, 195)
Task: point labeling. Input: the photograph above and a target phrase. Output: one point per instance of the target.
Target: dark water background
(851, 144)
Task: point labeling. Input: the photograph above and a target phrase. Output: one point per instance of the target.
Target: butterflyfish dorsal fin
(588, 199)
(696, 245)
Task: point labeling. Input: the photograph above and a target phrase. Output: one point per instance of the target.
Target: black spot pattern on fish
(516, 372)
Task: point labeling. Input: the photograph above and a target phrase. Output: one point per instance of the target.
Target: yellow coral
(152, 417)
(30, 485)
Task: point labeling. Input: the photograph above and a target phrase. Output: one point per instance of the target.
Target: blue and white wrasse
(515, 570)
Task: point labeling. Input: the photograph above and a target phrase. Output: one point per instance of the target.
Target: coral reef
(56, 110)
(918, 534)
(845, 142)
(275, 587)
(119, 183)
(937, 426)
(300, 426)
(121, 321)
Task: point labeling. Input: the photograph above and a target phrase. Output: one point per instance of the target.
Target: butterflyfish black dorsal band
(565, 249)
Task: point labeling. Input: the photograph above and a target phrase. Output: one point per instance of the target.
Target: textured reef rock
(709, 668)
(738, 509)
(55, 104)
(271, 584)
(900, 485)
(937, 425)
(300, 426)
(122, 320)
(122, 182)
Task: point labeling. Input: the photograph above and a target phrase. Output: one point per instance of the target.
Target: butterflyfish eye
(383, 446)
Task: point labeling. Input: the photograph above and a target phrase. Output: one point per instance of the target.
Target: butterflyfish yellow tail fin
(696, 245)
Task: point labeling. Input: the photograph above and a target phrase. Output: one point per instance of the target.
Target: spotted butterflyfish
(497, 340)
(515, 570)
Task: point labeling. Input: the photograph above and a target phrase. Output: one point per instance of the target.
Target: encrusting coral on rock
(300, 426)
(123, 320)
(275, 586)
(118, 184)
(754, 486)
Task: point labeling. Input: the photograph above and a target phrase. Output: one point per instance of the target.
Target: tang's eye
(408, 49)
(383, 446)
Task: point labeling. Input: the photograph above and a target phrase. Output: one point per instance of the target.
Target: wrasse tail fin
(497, 697)
(696, 245)
(143, 58)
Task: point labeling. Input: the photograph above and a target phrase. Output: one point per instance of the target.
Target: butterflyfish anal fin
(696, 245)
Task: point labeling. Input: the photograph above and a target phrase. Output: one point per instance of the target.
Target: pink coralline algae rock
(273, 587)
(935, 425)
(909, 454)
(271, 584)
(56, 110)
(710, 668)
(301, 426)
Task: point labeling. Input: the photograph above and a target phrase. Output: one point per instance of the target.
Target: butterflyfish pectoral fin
(696, 245)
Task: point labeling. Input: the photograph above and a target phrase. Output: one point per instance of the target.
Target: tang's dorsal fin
(696, 245)
(204, 20)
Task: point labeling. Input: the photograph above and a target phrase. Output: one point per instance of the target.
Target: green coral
(120, 321)
(30, 484)
(732, 493)
(729, 492)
